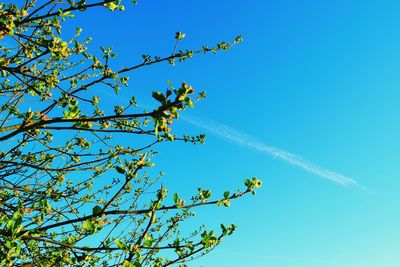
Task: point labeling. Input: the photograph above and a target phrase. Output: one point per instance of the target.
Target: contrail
(237, 137)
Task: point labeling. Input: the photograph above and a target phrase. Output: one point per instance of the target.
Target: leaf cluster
(70, 193)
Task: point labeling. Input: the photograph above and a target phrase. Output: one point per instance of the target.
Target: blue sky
(319, 79)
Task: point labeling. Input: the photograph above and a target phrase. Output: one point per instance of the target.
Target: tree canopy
(70, 193)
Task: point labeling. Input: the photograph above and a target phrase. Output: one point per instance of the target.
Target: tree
(70, 193)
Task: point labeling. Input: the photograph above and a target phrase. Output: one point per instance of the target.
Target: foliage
(70, 194)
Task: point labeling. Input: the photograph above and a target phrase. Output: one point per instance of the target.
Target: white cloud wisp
(239, 138)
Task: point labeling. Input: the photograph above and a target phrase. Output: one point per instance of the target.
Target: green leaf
(88, 225)
(120, 244)
(9, 225)
(131, 264)
(133, 101)
(170, 84)
(179, 35)
(226, 203)
(148, 241)
(176, 197)
(120, 170)
(158, 96)
(112, 6)
(73, 112)
(96, 210)
(226, 194)
(204, 194)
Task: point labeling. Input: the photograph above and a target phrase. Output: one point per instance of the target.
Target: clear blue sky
(319, 79)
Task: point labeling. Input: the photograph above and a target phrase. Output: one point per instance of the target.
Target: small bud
(179, 35)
